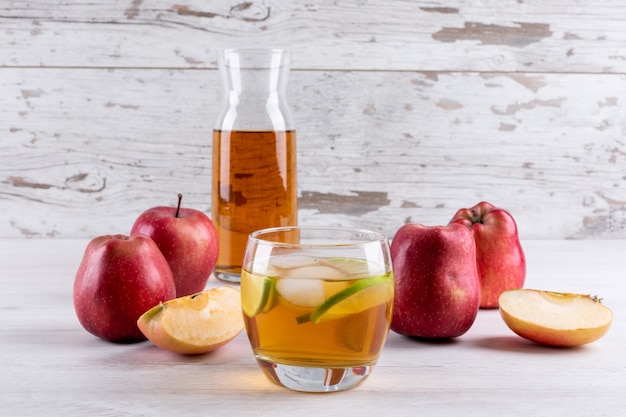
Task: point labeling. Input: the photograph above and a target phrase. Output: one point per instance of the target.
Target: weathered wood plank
(477, 35)
(83, 151)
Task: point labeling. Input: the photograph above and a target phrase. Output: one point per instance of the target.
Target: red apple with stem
(499, 256)
(188, 240)
(437, 288)
(120, 278)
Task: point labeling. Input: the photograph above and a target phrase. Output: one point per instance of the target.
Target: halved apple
(194, 324)
(554, 318)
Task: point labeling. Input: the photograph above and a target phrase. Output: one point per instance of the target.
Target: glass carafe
(254, 153)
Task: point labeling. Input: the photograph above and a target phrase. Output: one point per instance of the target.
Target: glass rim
(375, 237)
(256, 50)
(255, 58)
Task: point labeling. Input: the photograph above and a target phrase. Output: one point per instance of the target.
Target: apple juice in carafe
(254, 153)
(254, 187)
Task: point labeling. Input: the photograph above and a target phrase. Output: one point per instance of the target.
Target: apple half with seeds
(194, 324)
(554, 318)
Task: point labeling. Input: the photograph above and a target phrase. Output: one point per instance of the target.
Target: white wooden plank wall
(405, 110)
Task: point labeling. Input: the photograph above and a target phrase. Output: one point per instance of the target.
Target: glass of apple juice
(317, 304)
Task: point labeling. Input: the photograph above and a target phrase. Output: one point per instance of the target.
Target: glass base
(314, 379)
(227, 276)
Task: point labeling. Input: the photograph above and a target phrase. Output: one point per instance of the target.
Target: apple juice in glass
(317, 304)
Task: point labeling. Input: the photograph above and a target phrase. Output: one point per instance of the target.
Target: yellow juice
(318, 312)
(254, 186)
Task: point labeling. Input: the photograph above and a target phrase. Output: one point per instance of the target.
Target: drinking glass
(317, 304)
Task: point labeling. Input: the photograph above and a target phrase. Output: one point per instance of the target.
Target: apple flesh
(437, 288)
(499, 256)
(553, 318)
(195, 324)
(118, 279)
(188, 240)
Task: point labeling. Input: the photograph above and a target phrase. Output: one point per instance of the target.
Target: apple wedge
(194, 324)
(554, 318)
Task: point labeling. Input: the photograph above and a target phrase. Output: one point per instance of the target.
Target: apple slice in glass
(555, 318)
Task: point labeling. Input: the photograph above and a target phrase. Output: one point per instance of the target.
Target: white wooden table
(51, 366)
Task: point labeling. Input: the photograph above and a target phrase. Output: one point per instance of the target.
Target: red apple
(437, 288)
(188, 240)
(499, 255)
(119, 279)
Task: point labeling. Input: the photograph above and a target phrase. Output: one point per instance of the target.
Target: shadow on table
(519, 345)
(510, 343)
(396, 340)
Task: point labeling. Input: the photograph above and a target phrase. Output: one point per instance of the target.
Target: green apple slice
(258, 296)
(286, 262)
(360, 296)
(350, 266)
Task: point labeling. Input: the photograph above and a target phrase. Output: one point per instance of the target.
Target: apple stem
(180, 198)
(476, 217)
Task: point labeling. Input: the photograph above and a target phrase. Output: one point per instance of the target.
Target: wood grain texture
(405, 111)
(474, 35)
(52, 366)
